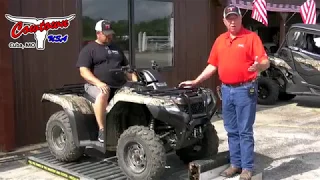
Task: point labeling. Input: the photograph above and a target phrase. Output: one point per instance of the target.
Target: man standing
(237, 55)
(94, 62)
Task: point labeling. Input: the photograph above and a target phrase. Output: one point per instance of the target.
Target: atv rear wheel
(268, 91)
(208, 147)
(285, 96)
(60, 139)
(141, 154)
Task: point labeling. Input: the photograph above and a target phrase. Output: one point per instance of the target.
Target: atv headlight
(209, 98)
(172, 108)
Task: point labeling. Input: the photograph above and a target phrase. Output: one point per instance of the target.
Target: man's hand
(206, 73)
(259, 66)
(132, 77)
(188, 83)
(103, 87)
(254, 67)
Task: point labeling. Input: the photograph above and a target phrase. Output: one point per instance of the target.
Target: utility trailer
(93, 168)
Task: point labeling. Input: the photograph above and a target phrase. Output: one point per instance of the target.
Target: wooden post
(282, 25)
(7, 130)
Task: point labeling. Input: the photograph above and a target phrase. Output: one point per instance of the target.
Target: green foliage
(156, 27)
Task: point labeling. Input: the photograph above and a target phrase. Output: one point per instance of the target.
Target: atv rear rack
(77, 89)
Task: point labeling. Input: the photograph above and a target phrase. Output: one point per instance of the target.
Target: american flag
(308, 12)
(259, 11)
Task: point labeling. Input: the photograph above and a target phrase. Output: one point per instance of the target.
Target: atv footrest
(87, 168)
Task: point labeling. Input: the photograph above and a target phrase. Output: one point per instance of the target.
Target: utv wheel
(141, 154)
(268, 91)
(285, 96)
(208, 147)
(60, 139)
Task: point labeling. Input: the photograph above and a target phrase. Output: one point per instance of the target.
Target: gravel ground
(287, 143)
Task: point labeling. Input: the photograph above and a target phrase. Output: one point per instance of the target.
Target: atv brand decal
(39, 27)
(52, 170)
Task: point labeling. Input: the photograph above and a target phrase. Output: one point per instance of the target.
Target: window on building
(153, 31)
(153, 28)
(115, 11)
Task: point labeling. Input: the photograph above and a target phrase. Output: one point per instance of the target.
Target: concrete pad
(28, 173)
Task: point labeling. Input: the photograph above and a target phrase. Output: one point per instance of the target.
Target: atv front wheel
(268, 91)
(285, 96)
(60, 139)
(141, 154)
(208, 147)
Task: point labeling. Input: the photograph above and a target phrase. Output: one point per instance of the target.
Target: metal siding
(36, 71)
(6, 84)
(194, 35)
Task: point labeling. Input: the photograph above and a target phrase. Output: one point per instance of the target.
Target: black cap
(231, 9)
(104, 26)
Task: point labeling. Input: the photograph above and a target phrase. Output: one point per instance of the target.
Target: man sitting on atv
(94, 62)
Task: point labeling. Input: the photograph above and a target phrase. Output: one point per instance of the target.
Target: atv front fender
(70, 102)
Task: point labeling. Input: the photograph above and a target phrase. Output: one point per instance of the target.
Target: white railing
(156, 43)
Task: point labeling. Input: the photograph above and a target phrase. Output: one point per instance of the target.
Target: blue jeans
(239, 113)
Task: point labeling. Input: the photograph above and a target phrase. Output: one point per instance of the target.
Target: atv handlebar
(123, 69)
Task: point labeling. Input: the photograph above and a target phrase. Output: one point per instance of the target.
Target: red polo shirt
(233, 57)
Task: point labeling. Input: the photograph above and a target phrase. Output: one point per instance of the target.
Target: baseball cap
(104, 26)
(231, 9)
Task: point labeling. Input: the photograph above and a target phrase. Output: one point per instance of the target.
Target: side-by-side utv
(295, 68)
(144, 121)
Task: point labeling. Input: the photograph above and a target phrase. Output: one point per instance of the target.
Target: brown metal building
(26, 73)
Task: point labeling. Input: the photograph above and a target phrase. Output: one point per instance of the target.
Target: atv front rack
(195, 104)
(170, 91)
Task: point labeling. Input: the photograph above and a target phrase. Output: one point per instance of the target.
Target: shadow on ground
(291, 165)
(307, 101)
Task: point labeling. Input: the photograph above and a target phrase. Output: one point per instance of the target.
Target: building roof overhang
(272, 5)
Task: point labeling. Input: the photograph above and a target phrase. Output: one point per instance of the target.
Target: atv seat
(93, 99)
(90, 98)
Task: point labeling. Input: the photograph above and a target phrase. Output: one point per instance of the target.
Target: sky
(117, 9)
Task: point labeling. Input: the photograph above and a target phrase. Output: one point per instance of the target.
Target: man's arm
(212, 65)
(206, 73)
(125, 62)
(88, 76)
(84, 64)
(260, 54)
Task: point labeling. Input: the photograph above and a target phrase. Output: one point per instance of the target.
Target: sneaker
(101, 136)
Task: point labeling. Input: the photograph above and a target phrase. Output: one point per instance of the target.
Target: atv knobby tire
(141, 139)
(285, 96)
(268, 91)
(58, 129)
(209, 147)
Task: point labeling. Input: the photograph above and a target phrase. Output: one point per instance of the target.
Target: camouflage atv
(144, 121)
(295, 68)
